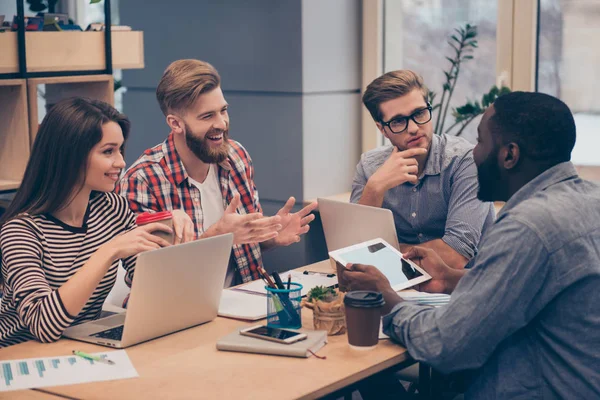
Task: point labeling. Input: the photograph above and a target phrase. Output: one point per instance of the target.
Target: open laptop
(346, 224)
(174, 288)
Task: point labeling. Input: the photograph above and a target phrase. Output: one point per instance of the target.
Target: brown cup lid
(364, 299)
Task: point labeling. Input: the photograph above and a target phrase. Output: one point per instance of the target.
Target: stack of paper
(242, 305)
(428, 299)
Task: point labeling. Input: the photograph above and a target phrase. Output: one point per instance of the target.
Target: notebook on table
(246, 344)
(249, 301)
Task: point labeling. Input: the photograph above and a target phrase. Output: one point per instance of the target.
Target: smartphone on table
(284, 336)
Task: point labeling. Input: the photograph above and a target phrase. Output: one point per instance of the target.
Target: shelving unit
(14, 132)
(98, 87)
(71, 51)
(69, 63)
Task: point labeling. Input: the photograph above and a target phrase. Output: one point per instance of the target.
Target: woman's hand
(137, 241)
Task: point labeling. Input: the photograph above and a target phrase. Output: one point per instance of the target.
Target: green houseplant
(463, 43)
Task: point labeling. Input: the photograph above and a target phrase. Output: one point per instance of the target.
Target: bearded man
(199, 170)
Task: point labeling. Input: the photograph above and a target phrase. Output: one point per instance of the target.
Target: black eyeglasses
(399, 124)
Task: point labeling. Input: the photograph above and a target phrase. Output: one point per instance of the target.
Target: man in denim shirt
(525, 319)
(427, 181)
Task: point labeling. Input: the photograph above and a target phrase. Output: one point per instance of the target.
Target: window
(416, 33)
(567, 67)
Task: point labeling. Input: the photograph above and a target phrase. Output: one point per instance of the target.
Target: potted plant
(328, 310)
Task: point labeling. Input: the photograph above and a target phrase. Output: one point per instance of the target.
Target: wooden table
(187, 364)
(35, 394)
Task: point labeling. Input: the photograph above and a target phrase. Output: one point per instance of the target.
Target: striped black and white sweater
(41, 253)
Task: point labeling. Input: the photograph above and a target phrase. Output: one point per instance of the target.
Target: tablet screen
(384, 258)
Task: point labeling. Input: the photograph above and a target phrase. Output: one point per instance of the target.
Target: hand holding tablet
(400, 272)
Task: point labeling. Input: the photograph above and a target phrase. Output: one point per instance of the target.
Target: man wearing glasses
(429, 182)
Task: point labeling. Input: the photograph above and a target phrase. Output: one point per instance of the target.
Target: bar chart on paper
(64, 370)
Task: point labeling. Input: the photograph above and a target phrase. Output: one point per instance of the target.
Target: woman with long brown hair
(63, 235)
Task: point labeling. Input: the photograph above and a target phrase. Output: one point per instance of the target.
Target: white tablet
(402, 273)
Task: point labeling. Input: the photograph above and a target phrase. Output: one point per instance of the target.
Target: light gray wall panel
(331, 45)
(255, 45)
(331, 142)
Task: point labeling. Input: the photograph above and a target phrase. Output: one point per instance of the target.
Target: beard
(202, 149)
(488, 177)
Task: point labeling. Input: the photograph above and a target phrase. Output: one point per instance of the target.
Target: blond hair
(390, 86)
(182, 82)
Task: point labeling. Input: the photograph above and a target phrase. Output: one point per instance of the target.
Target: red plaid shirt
(157, 181)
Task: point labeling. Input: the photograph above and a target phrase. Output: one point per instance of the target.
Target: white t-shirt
(210, 197)
(212, 209)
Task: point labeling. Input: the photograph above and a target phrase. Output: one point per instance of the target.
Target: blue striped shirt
(525, 319)
(442, 205)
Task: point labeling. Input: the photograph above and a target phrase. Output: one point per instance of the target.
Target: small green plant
(464, 43)
(466, 113)
(321, 293)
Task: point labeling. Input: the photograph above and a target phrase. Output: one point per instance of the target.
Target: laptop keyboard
(115, 333)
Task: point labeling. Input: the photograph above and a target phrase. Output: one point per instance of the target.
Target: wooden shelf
(98, 87)
(71, 51)
(6, 184)
(14, 132)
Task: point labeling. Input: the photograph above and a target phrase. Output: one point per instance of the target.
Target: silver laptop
(174, 288)
(346, 224)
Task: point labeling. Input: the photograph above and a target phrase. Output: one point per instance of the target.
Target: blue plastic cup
(283, 307)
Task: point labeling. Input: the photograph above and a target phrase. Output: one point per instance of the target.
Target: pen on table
(278, 281)
(92, 357)
(281, 306)
(264, 277)
(318, 273)
(289, 282)
(267, 277)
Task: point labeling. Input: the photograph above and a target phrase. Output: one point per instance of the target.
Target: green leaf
(467, 58)
(457, 40)
(451, 60)
(319, 293)
(454, 47)
(431, 96)
(503, 90)
(95, 1)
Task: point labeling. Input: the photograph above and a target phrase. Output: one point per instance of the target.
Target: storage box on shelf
(98, 87)
(72, 51)
(14, 132)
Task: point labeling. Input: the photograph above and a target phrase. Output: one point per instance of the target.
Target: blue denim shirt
(443, 205)
(526, 317)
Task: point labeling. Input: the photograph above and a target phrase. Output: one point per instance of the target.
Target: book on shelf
(114, 28)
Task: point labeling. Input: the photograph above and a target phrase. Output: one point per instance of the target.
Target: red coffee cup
(163, 217)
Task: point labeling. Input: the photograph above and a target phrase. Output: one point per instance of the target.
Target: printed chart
(65, 370)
